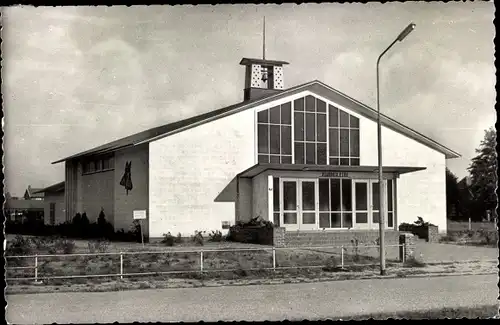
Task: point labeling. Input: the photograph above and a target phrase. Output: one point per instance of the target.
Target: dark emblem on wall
(127, 177)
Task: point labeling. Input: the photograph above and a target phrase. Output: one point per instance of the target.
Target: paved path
(436, 252)
(254, 303)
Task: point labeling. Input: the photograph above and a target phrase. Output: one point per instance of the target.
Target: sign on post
(140, 215)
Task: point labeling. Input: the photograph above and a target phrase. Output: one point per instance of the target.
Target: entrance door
(361, 205)
(289, 204)
(375, 203)
(308, 204)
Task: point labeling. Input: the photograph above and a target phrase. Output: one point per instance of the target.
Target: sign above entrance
(139, 214)
(335, 174)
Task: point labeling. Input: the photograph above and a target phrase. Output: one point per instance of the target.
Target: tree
(453, 203)
(483, 176)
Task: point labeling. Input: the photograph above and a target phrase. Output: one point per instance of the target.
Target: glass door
(308, 205)
(289, 205)
(361, 205)
(375, 203)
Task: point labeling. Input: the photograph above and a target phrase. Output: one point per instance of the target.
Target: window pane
(320, 106)
(310, 153)
(299, 153)
(308, 196)
(264, 159)
(361, 196)
(354, 161)
(275, 139)
(286, 140)
(321, 153)
(290, 218)
(344, 119)
(290, 196)
(335, 194)
(263, 138)
(344, 143)
(390, 220)
(347, 195)
(389, 195)
(321, 127)
(324, 220)
(309, 218)
(346, 220)
(298, 104)
(376, 196)
(334, 161)
(354, 122)
(310, 127)
(263, 116)
(275, 115)
(105, 163)
(336, 223)
(275, 159)
(299, 126)
(286, 114)
(344, 161)
(276, 194)
(354, 143)
(286, 159)
(333, 113)
(324, 195)
(334, 143)
(310, 104)
(376, 217)
(361, 217)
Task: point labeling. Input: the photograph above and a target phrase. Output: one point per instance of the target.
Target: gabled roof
(315, 86)
(55, 188)
(33, 192)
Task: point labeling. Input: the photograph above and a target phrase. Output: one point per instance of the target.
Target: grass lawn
(481, 312)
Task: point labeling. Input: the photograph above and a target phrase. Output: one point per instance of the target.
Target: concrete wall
(60, 207)
(260, 197)
(244, 212)
(192, 180)
(137, 198)
(97, 191)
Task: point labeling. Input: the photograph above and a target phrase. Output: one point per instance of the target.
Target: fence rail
(202, 256)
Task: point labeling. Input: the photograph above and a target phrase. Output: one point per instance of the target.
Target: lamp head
(406, 31)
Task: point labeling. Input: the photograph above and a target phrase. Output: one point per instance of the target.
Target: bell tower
(262, 77)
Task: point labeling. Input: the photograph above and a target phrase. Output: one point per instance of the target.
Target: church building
(304, 158)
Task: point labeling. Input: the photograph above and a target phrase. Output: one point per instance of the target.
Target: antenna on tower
(264, 40)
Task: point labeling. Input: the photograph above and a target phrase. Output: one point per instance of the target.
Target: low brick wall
(407, 250)
(432, 234)
(339, 238)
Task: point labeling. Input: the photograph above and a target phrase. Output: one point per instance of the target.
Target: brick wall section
(254, 235)
(279, 236)
(330, 238)
(408, 249)
(433, 234)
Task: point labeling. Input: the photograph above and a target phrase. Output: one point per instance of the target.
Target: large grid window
(344, 138)
(310, 138)
(276, 201)
(275, 134)
(335, 203)
(98, 165)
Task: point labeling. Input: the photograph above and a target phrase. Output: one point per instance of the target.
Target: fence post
(121, 266)
(36, 268)
(404, 253)
(274, 258)
(470, 225)
(201, 261)
(342, 256)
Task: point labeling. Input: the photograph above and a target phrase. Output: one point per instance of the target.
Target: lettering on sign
(335, 174)
(139, 214)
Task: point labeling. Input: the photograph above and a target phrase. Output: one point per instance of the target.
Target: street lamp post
(400, 38)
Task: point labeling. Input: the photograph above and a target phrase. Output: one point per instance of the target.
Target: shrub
(168, 239)
(20, 246)
(413, 262)
(355, 249)
(100, 246)
(215, 236)
(331, 265)
(65, 245)
(198, 238)
(178, 239)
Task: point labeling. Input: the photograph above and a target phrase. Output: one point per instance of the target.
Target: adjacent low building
(303, 157)
(54, 204)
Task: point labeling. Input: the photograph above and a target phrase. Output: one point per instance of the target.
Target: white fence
(336, 251)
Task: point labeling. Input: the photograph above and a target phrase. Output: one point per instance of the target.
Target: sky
(78, 77)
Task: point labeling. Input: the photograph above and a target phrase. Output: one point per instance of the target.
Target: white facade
(192, 176)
